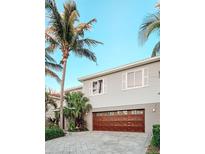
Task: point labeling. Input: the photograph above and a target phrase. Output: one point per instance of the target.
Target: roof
(120, 68)
(74, 88)
(55, 95)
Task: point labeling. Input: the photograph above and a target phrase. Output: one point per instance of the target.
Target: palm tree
(77, 107)
(51, 65)
(66, 36)
(151, 24)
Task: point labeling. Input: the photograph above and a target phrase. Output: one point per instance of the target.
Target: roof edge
(120, 68)
(73, 88)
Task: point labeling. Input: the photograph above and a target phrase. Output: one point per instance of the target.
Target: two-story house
(125, 98)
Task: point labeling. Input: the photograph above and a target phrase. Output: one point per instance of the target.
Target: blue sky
(117, 27)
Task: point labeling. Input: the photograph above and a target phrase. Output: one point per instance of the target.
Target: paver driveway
(99, 142)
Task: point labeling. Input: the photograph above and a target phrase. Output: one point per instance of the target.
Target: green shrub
(51, 133)
(71, 126)
(156, 136)
(52, 125)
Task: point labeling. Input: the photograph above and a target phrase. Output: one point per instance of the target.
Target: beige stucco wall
(115, 98)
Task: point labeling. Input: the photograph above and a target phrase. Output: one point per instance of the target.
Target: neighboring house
(74, 89)
(50, 112)
(56, 97)
(125, 98)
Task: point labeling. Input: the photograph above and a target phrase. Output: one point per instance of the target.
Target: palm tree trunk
(62, 93)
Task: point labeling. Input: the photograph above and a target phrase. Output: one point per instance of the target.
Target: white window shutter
(123, 81)
(146, 77)
(90, 88)
(105, 85)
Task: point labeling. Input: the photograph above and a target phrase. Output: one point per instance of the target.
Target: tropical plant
(150, 25)
(49, 101)
(77, 107)
(67, 34)
(51, 66)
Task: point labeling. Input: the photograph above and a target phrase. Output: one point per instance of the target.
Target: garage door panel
(130, 120)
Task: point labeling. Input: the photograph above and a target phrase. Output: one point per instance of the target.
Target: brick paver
(99, 142)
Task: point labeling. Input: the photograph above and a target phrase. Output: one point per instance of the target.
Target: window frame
(143, 76)
(103, 86)
(127, 80)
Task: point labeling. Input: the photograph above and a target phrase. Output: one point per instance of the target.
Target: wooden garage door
(124, 120)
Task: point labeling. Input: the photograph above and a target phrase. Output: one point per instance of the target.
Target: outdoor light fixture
(153, 110)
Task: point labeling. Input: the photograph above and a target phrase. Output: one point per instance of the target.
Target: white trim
(120, 68)
(146, 76)
(123, 81)
(143, 77)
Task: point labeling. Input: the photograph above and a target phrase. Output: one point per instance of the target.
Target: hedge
(156, 135)
(51, 133)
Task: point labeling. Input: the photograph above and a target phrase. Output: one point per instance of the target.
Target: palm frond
(156, 50)
(51, 63)
(88, 42)
(74, 16)
(150, 24)
(78, 104)
(51, 40)
(52, 74)
(49, 58)
(53, 66)
(53, 103)
(83, 52)
(84, 26)
(55, 17)
(157, 5)
(88, 107)
(71, 13)
(69, 8)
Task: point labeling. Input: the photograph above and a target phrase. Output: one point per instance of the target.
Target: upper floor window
(135, 79)
(97, 87)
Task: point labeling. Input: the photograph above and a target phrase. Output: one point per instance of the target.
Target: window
(130, 79)
(125, 112)
(137, 112)
(97, 87)
(138, 78)
(135, 79)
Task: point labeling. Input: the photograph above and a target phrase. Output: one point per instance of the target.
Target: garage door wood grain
(123, 120)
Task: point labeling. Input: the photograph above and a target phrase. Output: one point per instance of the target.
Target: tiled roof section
(55, 94)
(74, 89)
